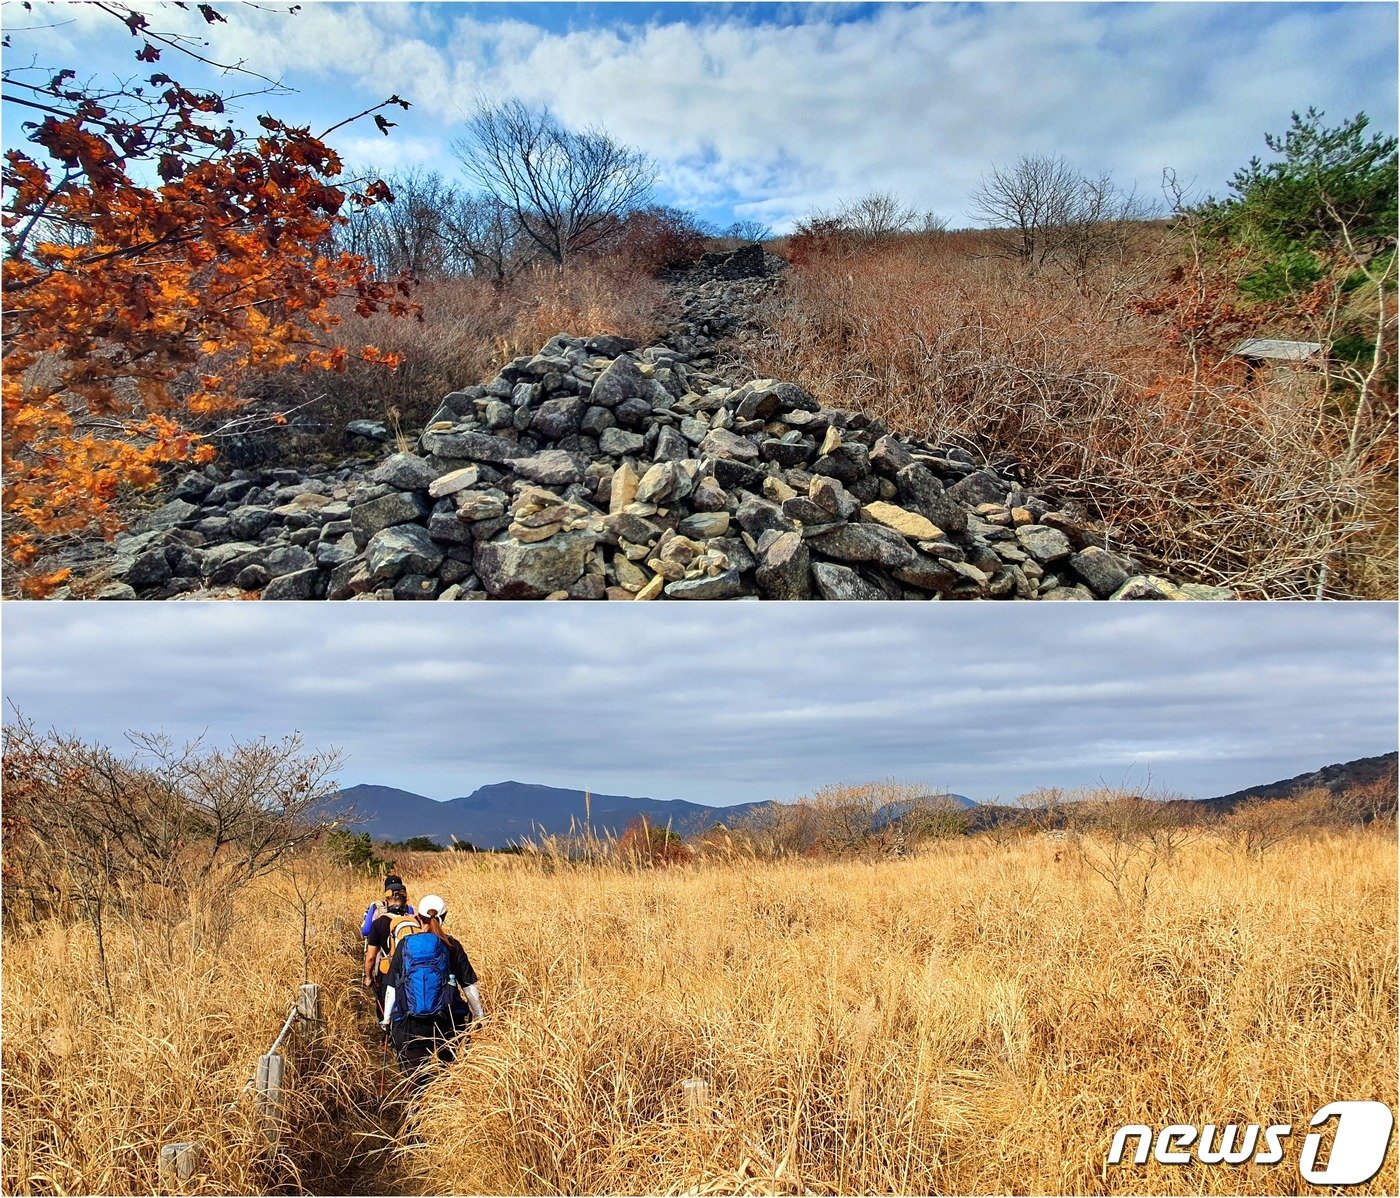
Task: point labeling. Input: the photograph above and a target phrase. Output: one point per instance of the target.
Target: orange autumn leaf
(224, 256)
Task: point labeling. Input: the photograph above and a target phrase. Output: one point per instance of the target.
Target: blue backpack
(426, 989)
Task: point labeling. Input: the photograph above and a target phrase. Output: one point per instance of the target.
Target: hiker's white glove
(474, 1002)
(384, 1027)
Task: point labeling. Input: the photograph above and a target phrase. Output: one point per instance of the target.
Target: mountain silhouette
(504, 813)
(501, 814)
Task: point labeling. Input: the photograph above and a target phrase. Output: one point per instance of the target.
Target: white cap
(432, 904)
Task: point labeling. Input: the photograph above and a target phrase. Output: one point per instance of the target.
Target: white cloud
(389, 154)
(734, 701)
(814, 106)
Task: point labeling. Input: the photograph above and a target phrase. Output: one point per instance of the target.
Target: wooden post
(310, 1025)
(179, 1162)
(696, 1093)
(267, 1093)
(309, 1002)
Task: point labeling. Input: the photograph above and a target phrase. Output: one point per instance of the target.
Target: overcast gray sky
(769, 110)
(721, 703)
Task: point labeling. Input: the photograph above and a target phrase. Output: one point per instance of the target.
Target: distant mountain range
(1336, 778)
(506, 813)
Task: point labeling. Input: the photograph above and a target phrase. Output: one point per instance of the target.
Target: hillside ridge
(600, 469)
(1335, 777)
(498, 814)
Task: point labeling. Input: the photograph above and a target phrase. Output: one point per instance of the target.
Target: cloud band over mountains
(726, 703)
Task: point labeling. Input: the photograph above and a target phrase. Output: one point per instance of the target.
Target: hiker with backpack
(393, 889)
(380, 920)
(423, 1011)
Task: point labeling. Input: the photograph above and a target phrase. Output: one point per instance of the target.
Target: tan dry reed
(977, 1019)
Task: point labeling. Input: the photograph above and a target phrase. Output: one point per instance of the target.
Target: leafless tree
(413, 224)
(877, 818)
(938, 817)
(485, 237)
(748, 230)
(1098, 226)
(1048, 211)
(1367, 802)
(1125, 839)
(1042, 810)
(1257, 827)
(566, 189)
(168, 830)
(1027, 200)
(877, 216)
(409, 234)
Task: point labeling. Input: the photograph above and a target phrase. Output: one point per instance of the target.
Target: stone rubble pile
(598, 469)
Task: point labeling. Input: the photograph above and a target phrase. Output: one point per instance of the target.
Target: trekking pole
(383, 1062)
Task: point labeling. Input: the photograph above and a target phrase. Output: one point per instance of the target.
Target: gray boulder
(149, 569)
(399, 507)
(172, 515)
(721, 586)
(549, 468)
(471, 447)
(1044, 544)
(864, 543)
(285, 559)
(1104, 572)
(619, 443)
(405, 549)
(511, 569)
(920, 491)
(784, 568)
(981, 486)
(370, 430)
(621, 381)
(558, 418)
(841, 582)
(300, 584)
(246, 523)
(406, 471)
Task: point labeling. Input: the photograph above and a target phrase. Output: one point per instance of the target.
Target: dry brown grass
(469, 330)
(1262, 484)
(978, 1019)
(89, 1099)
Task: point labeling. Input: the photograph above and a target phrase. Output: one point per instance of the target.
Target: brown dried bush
(1115, 386)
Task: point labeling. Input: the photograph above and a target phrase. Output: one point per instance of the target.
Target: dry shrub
(1365, 802)
(1110, 383)
(645, 845)
(90, 1097)
(883, 818)
(962, 1022)
(654, 239)
(469, 329)
(1255, 828)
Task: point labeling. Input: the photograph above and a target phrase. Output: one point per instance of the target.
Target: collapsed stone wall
(599, 469)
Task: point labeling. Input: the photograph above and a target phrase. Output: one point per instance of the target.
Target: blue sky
(769, 111)
(721, 703)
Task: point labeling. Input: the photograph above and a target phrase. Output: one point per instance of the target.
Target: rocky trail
(601, 469)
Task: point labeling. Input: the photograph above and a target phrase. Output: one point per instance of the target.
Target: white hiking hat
(432, 904)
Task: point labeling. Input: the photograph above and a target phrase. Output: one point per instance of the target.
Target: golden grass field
(976, 1019)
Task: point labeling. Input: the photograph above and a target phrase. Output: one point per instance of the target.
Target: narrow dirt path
(359, 1155)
